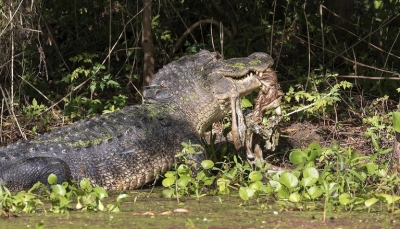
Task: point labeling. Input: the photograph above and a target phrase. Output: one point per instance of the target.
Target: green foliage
(314, 102)
(91, 71)
(34, 110)
(60, 196)
(331, 178)
(188, 178)
(396, 121)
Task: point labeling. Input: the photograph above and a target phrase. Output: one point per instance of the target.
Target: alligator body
(129, 148)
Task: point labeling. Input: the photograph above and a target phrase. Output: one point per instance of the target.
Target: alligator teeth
(260, 74)
(251, 74)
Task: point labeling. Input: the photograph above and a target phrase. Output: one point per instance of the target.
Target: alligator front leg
(26, 172)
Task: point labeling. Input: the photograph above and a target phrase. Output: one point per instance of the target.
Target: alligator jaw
(242, 86)
(245, 73)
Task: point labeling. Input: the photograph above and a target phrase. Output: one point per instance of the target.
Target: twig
(105, 59)
(181, 39)
(370, 77)
(12, 113)
(306, 107)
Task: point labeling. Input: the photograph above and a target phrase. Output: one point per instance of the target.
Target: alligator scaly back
(128, 148)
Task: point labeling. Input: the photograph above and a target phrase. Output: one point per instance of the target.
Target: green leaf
(223, 185)
(257, 186)
(170, 174)
(396, 121)
(168, 193)
(315, 192)
(276, 185)
(345, 199)
(289, 180)
(360, 175)
(246, 103)
(34, 102)
(371, 168)
(52, 179)
(121, 197)
(388, 198)
(85, 184)
(297, 157)
(58, 189)
(315, 151)
(308, 181)
(207, 164)
(246, 193)
(283, 193)
(311, 172)
(370, 202)
(168, 181)
(183, 181)
(183, 170)
(294, 197)
(101, 192)
(255, 176)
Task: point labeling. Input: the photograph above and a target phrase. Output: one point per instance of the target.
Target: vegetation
(337, 64)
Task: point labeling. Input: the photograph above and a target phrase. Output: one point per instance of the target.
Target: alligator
(131, 147)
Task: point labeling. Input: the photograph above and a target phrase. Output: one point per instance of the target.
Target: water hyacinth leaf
(101, 192)
(207, 164)
(370, 202)
(168, 193)
(308, 181)
(246, 193)
(388, 198)
(255, 176)
(297, 157)
(168, 181)
(116, 209)
(276, 185)
(52, 179)
(345, 199)
(289, 180)
(294, 197)
(100, 206)
(257, 186)
(358, 200)
(296, 173)
(121, 197)
(183, 181)
(201, 175)
(311, 172)
(169, 174)
(283, 193)
(315, 151)
(208, 180)
(183, 170)
(63, 201)
(85, 184)
(58, 189)
(223, 184)
(315, 192)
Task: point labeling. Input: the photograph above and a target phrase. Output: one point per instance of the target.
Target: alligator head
(202, 85)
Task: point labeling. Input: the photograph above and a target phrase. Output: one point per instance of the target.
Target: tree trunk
(147, 44)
